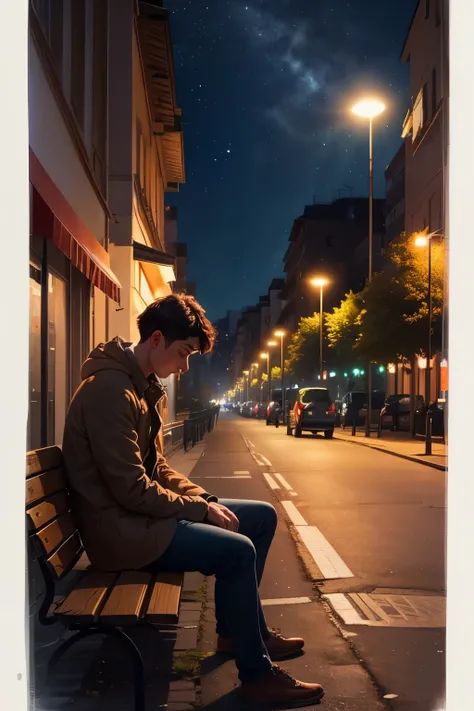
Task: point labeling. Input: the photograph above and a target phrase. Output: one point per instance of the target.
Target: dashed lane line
(271, 481)
(324, 555)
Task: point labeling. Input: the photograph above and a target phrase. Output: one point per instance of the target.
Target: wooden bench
(97, 602)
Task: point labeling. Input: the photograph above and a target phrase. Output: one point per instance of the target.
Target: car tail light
(299, 407)
(332, 409)
(268, 411)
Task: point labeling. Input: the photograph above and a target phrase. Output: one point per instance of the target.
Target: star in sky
(265, 87)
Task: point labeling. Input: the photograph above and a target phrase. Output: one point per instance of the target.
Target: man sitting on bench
(135, 512)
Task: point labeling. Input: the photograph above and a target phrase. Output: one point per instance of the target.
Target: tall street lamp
(246, 373)
(270, 344)
(266, 355)
(252, 367)
(321, 283)
(369, 109)
(281, 335)
(425, 241)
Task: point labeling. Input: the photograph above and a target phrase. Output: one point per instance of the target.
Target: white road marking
(342, 606)
(326, 558)
(286, 601)
(283, 481)
(271, 481)
(237, 473)
(295, 517)
(293, 493)
(265, 460)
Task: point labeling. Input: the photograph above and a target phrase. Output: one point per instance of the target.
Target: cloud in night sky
(272, 81)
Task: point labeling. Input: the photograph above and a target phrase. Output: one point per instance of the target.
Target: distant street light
(281, 334)
(425, 241)
(369, 109)
(321, 283)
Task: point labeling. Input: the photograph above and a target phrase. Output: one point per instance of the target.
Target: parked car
(245, 409)
(396, 411)
(274, 413)
(312, 411)
(354, 407)
(258, 410)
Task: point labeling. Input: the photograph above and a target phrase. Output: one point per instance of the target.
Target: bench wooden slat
(43, 460)
(49, 509)
(164, 602)
(56, 532)
(125, 603)
(66, 557)
(87, 599)
(45, 484)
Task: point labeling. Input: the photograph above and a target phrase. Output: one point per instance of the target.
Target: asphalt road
(385, 520)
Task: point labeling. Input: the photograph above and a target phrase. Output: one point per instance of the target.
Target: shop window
(57, 358)
(34, 368)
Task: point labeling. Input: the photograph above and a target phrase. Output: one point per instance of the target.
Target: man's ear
(155, 339)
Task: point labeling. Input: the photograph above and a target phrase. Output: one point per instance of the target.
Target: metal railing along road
(187, 433)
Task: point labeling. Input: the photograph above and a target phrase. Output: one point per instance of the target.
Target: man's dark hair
(178, 317)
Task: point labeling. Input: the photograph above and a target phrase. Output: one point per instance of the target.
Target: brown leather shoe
(278, 647)
(280, 689)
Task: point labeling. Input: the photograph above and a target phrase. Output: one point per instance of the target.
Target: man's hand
(220, 516)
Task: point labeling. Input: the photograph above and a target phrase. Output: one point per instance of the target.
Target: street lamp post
(425, 241)
(321, 283)
(369, 108)
(246, 373)
(281, 334)
(270, 344)
(266, 355)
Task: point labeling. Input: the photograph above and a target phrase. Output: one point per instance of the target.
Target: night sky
(266, 88)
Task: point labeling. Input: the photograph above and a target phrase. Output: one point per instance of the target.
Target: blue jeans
(237, 560)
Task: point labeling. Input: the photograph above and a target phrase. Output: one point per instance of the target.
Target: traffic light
(356, 371)
(381, 369)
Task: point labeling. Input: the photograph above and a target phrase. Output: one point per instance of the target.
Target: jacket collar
(148, 387)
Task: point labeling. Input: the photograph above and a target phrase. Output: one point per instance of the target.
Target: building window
(57, 358)
(50, 16)
(99, 110)
(425, 104)
(434, 93)
(418, 115)
(78, 42)
(35, 389)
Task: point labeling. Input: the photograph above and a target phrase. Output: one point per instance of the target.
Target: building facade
(395, 196)
(329, 240)
(72, 284)
(426, 135)
(105, 146)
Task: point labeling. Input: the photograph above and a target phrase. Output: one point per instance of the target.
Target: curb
(439, 467)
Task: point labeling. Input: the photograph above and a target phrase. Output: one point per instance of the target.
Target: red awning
(55, 219)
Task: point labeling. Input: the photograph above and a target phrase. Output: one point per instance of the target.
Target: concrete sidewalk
(399, 444)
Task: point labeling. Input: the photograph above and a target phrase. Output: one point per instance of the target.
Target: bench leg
(134, 653)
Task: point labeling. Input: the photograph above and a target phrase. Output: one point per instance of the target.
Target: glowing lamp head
(421, 241)
(319, 281)
(263, 355)
(271, 344)
(368, 108)
(279, 334)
